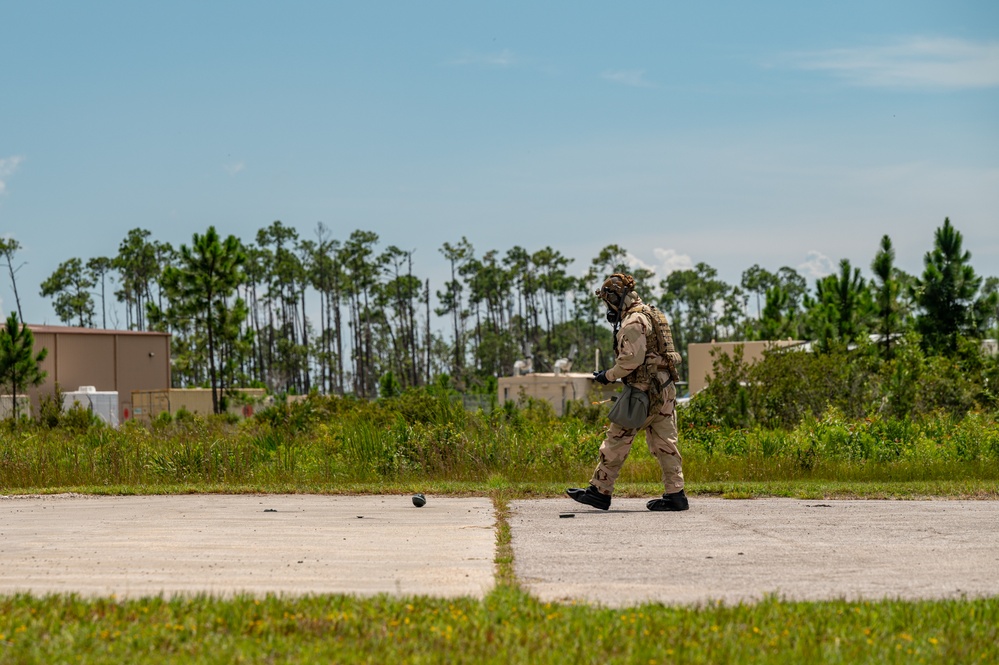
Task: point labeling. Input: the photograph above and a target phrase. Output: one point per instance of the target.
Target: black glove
(601, 377)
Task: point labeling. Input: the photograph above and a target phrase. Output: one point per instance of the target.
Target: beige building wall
(701, 362)
(110, 360)
(557, 389)
(148, 404)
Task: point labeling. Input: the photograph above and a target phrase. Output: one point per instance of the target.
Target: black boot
(673, 502)
(591, 496)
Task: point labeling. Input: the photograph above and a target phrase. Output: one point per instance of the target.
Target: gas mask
(613, 293)
(613, 312)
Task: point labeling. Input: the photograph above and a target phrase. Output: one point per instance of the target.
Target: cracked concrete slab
(297, 544)
(735, 551)
(225, 544)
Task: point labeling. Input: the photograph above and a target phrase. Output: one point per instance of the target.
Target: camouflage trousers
(660, 435)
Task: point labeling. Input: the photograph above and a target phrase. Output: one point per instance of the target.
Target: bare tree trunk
(338, 325)
(411, 341)
(427, 294)
(305, 343)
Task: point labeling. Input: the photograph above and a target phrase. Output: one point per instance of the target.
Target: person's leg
(662, 437)
(613, 451)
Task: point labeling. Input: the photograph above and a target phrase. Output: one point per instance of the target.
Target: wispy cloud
(910, 63)
(7, 167)
(816, 265)
(232, 168)
(500, 59)
(630, 77)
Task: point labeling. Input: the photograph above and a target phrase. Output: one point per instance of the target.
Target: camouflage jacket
(643, 360)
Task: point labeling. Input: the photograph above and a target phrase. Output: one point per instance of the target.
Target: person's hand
(601, 377)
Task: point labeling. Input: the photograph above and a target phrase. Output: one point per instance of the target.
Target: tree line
(350, 316)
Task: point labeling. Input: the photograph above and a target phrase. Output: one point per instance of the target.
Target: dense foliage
(332, 444)
(295, 314)
(790, 384)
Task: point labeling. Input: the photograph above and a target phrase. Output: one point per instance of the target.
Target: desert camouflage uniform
(632, 365)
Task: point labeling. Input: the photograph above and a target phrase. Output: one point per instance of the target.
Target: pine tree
(19, 368)
(7, 248)
(207, 275)
(886, 293)
(946, 291)
(70, 286)
(842, 308)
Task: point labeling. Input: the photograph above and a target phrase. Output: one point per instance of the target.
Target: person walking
(644, 360)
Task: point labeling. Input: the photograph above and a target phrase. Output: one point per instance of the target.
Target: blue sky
(734, 133)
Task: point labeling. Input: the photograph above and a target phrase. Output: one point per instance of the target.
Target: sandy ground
(295, 544)
(219, 544)
(742, 550)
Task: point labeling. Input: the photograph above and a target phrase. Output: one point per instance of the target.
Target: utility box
(102, 403)
(7, 406)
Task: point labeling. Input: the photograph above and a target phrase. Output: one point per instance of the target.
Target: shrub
(787, 385)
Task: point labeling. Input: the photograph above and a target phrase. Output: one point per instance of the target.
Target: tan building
(109, 360)
(701, 362)
(557, 388)
(147, 404)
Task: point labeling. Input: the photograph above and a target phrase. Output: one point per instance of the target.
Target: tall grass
(330, 442)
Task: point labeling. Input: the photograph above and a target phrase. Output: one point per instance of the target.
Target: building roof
(74, 330)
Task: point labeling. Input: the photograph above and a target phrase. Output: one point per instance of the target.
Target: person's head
(614, 292)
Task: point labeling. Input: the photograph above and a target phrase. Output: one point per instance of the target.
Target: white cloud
(630, 77)
(634, 262)
(7, 167)
(913, 62)
(670, 261)
(504, 58)
(816, 265)
(233, 168)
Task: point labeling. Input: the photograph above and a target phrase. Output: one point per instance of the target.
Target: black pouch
(631, 409)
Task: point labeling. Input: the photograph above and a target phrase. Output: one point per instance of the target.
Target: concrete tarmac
(743, 550)
(222, 545)
(306, 544)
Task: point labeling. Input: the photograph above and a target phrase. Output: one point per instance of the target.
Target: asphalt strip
(743, 550)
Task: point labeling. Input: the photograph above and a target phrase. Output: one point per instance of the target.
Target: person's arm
(631, 349)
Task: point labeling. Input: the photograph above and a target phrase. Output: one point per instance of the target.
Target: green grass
(792, 489)
(343, 447)
(507, 626)
(802, 489)
(329, 445)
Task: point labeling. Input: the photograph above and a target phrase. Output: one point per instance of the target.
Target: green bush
(788, 385)
(326, 442)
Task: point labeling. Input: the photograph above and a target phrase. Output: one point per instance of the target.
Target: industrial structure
(148, 404)
(557, 388)
(101, 362)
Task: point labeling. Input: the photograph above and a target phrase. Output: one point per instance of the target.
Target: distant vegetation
(237, 309)
(789, 385)
(759, 442)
